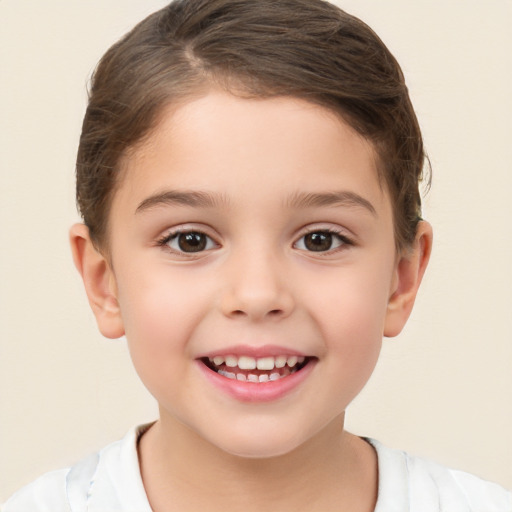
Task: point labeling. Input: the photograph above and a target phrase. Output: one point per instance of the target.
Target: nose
(256, 287)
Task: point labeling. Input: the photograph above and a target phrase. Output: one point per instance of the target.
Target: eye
(188, 242)
(321, 241)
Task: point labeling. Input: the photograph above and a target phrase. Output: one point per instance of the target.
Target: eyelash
(174, 235)
(210, 243)
(342, 239)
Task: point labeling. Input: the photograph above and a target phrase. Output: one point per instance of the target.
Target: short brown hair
(307, 49)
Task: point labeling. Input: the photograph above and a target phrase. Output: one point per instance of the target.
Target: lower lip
(257, 392)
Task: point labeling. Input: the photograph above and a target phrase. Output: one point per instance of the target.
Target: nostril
(255, 304)
(271, 313)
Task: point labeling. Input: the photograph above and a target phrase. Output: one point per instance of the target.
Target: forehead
(236, 147)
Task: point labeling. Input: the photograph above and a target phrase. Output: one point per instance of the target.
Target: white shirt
(110, 481)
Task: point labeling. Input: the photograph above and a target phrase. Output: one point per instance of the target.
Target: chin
(258, 445)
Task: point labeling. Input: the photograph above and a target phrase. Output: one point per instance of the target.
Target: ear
(409, 270)
(99, 282)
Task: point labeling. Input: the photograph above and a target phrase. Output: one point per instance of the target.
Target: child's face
(253, 228)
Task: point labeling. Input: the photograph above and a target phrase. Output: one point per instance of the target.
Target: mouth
(256, 370)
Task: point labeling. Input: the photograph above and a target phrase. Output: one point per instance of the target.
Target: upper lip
(253, 351)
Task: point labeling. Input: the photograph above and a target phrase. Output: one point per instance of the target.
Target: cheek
(160, 310)
(352, 300)
(351, 317)
(159, 322)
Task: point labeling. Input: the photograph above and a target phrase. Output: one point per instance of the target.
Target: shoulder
(483, 495)
(46, 494)
(427, 486)
(108, 480)
(65, 490)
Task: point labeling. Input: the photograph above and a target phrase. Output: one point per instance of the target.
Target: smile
(255, 370)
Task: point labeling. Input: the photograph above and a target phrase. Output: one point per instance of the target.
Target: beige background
(443, 389)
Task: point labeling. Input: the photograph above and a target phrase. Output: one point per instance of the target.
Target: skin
(257, 283)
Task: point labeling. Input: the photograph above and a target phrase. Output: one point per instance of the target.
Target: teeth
(251, 377)
(247, 363)
(231, 361)
(280, 361)
(218, 360)
(292, 361)
(251, 363)
(229, 375)
(265, 363)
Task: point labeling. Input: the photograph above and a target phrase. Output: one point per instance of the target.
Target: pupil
(318, 241)
(192, 242)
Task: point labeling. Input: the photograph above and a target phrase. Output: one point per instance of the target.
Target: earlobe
(99, 282)
(408, 275)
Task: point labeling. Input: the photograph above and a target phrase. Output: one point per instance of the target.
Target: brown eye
(189, 242)
(192, 242)
(321, 241)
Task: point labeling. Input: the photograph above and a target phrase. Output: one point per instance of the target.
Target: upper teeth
(261, 363)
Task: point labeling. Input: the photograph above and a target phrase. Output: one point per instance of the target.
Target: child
(248, 178)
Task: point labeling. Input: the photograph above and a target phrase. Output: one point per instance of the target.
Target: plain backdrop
(443, 389)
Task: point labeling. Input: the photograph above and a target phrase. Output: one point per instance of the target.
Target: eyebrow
(298, 200)
(181, 198)
(341, 198)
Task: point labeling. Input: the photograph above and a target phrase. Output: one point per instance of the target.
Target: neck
(331, 471)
